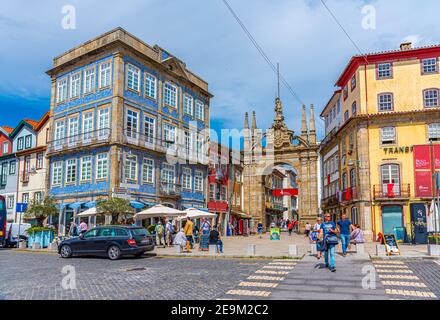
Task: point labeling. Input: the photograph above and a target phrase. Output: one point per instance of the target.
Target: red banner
(285, 192)
(422, 157)
(436, 152)
(423, 184)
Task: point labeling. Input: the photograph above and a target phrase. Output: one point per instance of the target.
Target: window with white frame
(223, 194)
(211, 191)
(199, 146)
(130, 168)
(89, 80)
(132, 120)
(199, 109)
(73, 129)
(6, 147)
(188, 102)
(385, 101)
(133, 77)
(40, 160)
(168, 175)
(198, 181)
(104, 74)
(149, 129)
(59, 131)
(28, 141)
(25, 197)
(75, 85)
(11, 202)
(148, 171)
(187, 142)
(88, 125)
(429, 65)
(384, 70)
(86, 168)
(12, 167)
(150, 86)
(430, 98)
(57, 173)
(388, 135)
(170, 95)
(169, 134)
(353, 82)
(4, 173)
(103, 122)
(101, 166)
(434, 131)
(38, 197)
(186, 178)
(71, 171)
(20, 143)
(62, 90)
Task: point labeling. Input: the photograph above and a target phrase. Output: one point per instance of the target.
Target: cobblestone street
(39, 275)
(29, 276)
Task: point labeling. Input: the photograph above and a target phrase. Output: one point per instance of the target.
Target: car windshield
(139, 232)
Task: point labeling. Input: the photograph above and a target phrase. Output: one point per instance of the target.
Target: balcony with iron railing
(391, 191)
(349, 194)
(97, 137)
(24, 176)
(172, 148)
(330, 201)
(170, 189)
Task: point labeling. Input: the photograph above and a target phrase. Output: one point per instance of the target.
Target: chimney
(406, 46)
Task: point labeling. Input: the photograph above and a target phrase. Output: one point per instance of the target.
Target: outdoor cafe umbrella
(433, 218)
(88, 213)
(159, 211)
(194, 213)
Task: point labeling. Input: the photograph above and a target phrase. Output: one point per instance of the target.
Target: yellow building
(389, 140)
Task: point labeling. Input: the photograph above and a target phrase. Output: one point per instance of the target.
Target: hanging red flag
(390, 190)
(328, 180)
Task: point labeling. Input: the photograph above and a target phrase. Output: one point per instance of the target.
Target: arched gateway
(282, 147)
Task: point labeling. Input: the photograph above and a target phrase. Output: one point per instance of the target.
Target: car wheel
(114, 253)
(66, 251)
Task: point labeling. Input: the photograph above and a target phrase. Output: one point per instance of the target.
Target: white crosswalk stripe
(404, 284)
(268, 278)
(249, 293)
(398, 276)
(410, 293)
(390, 266)
(394, 271)
(279, 267)
(258, 284)
(388, 262)
(272, 272)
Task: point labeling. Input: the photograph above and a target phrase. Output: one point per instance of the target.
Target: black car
(111, 241)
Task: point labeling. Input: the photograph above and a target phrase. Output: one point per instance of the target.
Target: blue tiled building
(128, 120)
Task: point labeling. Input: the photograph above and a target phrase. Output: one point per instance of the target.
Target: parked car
(12, 236)
(111, 241)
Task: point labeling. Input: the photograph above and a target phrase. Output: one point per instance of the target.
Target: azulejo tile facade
(126, 119)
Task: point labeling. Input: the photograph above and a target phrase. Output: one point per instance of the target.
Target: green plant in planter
(434, 239)
(41, 210)
(115, 208)
(151, 229)
(36, 229)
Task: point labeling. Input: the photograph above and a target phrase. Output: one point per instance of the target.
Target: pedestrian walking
(188, 229)
(215, 239)
(204, 236)
(73, 230)
(160, 231)
(308, 228)
(316, 237)
(345, 228)
(260, 229)
(181, 239)
(83, 227)
(290, 227)
(169, 230)
(357, 236)
(328, 233)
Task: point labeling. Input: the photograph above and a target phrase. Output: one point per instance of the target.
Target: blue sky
(299, 34)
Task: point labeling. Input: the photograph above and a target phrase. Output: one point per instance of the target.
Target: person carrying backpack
(328, 233)
(290, 227)
(160, 233)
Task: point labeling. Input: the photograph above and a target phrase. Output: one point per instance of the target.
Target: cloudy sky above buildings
(299, 34)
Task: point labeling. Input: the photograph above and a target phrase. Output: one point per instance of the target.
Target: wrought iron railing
(170, 189)
(80, 140)
(390, 191)
(349, 194)
(24, 176)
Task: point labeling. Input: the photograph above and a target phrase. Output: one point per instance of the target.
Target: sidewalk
(238, 246)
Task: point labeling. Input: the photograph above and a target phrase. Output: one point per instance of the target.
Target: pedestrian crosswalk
(400, 282)
(262, 281)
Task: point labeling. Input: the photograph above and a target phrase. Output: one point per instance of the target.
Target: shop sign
(398, 150)
(285, 192)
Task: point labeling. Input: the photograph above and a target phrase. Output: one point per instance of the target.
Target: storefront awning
(137, 204)
(241, 215)
(191, 207)
(90, 204)
(60, 206)
(75, 205)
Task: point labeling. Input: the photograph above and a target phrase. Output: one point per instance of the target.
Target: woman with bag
(316, 237)
(328, 233)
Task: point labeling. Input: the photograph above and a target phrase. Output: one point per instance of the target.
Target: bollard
(53, 246)
(434, 250)
(293, 250)
(360, 249)
(380, 250)
(36, 246)
(22, 245)
(251, 249)
(313, 249)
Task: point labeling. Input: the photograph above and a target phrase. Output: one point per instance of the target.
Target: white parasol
(159, 211)
(195, 213)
